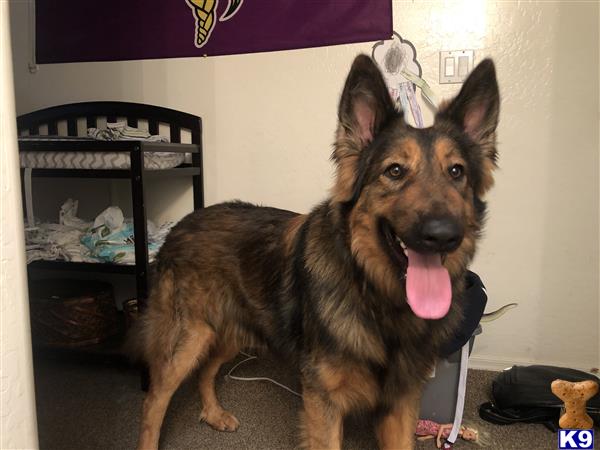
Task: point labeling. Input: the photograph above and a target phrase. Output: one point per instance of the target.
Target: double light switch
(455, 65)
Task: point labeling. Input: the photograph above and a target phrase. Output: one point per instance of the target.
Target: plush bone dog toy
(575, 397)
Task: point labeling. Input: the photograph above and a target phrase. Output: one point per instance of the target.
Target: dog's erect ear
(365, 102)
(364, 106)
(475, 110)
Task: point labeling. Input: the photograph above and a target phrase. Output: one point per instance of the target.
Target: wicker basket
(71, 313)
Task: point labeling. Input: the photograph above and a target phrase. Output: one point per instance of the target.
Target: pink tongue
(427, 285)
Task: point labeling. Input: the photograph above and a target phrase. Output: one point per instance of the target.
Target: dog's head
(413, 197)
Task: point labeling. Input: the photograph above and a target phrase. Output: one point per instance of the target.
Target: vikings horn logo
(204, 12)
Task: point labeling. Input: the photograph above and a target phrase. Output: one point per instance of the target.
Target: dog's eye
(456, 171)
(395, 171)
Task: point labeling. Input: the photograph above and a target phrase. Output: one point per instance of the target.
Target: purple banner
(113, 30)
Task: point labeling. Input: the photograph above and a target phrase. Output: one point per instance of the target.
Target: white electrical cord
(461, 389)
(250, 358)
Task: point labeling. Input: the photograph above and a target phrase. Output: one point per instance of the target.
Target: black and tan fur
(328, 287)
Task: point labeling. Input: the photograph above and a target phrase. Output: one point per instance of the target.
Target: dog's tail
(155, 331)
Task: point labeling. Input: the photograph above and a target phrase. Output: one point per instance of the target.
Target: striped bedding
(96, 160)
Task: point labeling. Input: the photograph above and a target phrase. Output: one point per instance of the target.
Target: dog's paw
(220, 419)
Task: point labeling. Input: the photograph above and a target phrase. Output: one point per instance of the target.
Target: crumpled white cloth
(111, 217)
(68, 215)
(59, 241)
(52, 241)
(63, 241)
(112, 238)
(120, 131)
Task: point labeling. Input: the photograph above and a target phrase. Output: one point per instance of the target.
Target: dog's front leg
(396, 429)
(322, 424)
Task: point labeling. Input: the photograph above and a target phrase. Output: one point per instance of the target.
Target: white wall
(543, 235)
(269, 122)
(18, 426)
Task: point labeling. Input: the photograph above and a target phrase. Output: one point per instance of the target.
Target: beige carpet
(85, 406)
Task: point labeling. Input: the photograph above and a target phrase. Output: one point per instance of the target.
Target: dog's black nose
(441, 235)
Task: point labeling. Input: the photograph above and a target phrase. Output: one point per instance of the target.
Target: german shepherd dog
(363, 290)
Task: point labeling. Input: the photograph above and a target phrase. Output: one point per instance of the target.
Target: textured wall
(18, 429)
(269, 123)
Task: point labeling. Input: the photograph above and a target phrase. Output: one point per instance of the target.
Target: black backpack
(522, 394)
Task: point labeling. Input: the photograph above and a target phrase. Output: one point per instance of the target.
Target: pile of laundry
(120, 131)
(109, 239)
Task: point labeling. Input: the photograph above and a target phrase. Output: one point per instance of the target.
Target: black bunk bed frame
(132, 112)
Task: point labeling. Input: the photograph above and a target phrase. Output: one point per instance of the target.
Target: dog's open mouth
(428, 287)
(396, 247)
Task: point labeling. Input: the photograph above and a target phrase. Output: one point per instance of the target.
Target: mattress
(95, 160)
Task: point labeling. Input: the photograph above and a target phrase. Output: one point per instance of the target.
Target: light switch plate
(455, 65)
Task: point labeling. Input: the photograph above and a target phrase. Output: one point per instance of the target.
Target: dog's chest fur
(366, 346)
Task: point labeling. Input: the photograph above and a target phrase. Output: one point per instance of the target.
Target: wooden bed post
(197, 180)
(140, 227)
